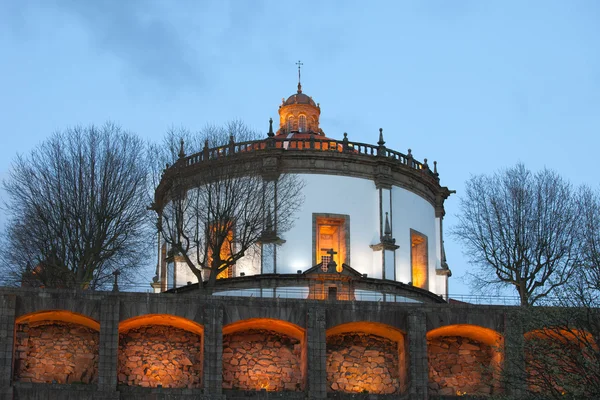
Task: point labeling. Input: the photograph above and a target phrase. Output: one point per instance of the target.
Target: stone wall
(255, 359)
(157, 354)
(460, 366)
(56, 351)
(359, 362)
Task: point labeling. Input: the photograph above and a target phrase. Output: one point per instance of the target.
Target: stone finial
(381, 148)
(270, 133)
(425, 165)
(387, 230)
(116, 273)
(435, 168)
(231, 144)
(181, 151)
(205, 150)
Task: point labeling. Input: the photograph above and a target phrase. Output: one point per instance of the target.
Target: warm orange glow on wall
(366, 363)
(159, 354)
(419, 261)
(54, 350)
(573, 336)
(58, 315)
(290, 115)
(453, 375)
(474, 332)
(275, 325)
(161, 319)
(373, 328)
(262, 359)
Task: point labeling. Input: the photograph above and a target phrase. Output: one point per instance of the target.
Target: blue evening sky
(475, 85)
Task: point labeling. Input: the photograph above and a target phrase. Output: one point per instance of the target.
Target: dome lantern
(299, 113)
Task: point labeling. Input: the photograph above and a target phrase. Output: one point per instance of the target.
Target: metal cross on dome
(299, 64)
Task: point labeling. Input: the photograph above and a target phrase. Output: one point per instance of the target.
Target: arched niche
(558, 359)
(464, 359)
(56, 346)
(264, 353)
(160, 349)
(366, 356)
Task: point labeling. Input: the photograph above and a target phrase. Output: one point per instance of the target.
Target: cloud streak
(138, 33)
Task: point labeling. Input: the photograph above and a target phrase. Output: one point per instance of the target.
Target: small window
(290, 124)
(302, 123)
(418, 256)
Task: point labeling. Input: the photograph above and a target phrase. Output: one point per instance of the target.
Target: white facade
(359, 200)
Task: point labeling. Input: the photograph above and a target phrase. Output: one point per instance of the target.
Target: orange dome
(299, 98)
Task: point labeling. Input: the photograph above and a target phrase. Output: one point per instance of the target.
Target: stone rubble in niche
(63, 353)
(459, 365)
(360, 363)
(256, 359)
(157, 354)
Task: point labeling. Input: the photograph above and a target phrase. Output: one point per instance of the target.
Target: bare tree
(213, 216)
(77, 209)
(521, 230)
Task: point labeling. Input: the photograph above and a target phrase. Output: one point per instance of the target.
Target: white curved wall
(328, 194)
(410, 211)
(359, 199)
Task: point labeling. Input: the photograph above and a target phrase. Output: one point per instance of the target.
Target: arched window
(290, 124)
(302, 123)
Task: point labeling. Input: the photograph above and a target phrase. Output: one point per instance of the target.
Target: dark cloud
(137, 32)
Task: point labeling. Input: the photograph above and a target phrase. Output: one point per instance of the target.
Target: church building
(368, 210)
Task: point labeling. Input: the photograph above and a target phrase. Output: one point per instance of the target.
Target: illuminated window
(290, 124)
(418, 256)
(226, 248)
(331, 235)
(302, 123)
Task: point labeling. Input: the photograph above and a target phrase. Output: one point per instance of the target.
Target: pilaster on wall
(316, 353)
(213, 351)
(108, 345)
(513, 370)
(417, 348)
(7, 332)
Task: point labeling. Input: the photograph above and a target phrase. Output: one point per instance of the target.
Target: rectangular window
(331, 238)
(418, 257)
(226, 247)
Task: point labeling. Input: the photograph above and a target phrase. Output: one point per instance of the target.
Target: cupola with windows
(299, 114)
